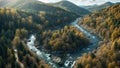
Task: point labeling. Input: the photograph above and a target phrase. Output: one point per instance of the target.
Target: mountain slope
(68, 6)
(50, 15)
(99, 7)
(31, 6)
(105, 23)
(15, 27)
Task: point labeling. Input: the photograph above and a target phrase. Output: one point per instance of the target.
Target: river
(69, 62)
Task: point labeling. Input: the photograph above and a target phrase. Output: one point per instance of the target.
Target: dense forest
(68, 39)
(105, 23)
(13, 33)
(51, 25)
(50, 16)
(106, 56)
(16, 26)
(54, 8)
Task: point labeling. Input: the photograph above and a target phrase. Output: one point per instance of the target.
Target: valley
(70, 61)
(59, 34)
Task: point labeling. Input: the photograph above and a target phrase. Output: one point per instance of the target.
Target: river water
(70, 61)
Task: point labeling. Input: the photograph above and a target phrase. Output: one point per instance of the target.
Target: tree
(111, 65)
(92, 55)
(115, 45)
(16, 40)
(79, 66)
(17, 33)
(13, 11)
(39, 26)
(30, 20)
(9, 54)
(88, 66)
(24, 33)
(23, 20)
(2, 64)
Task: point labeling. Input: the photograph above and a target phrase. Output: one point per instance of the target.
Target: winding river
(69, 62)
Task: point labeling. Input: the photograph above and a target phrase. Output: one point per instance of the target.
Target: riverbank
(70, 59)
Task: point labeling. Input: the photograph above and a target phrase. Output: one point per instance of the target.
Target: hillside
(98, 7)
(13, 3)
(106, 24)
(34, 34)
(16, 26)
(14, 31)
(66, 40)
(34, 6)
(68, 6)
(49, 15)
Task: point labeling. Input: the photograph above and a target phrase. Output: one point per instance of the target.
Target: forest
(106, 24)
(15, 28)
(16, 25)
(13, 33)
(55, 34)
(68, 39)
